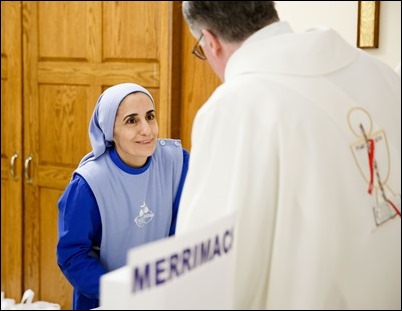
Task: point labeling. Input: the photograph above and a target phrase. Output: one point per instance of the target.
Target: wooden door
(72, 51)
(11, 150)
(198, 81)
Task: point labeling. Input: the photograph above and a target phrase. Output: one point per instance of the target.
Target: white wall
(342, 16)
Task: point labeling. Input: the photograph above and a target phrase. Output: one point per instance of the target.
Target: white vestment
(280, 142)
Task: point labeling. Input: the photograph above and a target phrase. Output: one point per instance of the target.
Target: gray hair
(233, 21)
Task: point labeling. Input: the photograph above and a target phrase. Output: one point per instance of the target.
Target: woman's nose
(145, 128)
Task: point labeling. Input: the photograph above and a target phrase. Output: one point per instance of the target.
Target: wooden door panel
(62, 121)
(55, 287)
(197, 84)
(11, 240)
(11, 144)
(59, 37)
(131, 34)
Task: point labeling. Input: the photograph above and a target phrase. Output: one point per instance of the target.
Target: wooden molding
(368, 22)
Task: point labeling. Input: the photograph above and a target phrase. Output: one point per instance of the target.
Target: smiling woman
(135, 129)
(124, 193)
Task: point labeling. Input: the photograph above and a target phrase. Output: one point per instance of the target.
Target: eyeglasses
(198, 51)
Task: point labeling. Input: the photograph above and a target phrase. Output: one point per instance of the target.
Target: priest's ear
(212, 43)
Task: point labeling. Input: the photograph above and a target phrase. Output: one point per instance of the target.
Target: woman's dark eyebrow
(136, 114)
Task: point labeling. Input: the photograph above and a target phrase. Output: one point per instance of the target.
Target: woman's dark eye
(131, 121)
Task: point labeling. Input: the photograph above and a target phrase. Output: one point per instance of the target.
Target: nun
(124, 193)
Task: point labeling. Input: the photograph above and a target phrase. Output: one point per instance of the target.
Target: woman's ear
(213, 43)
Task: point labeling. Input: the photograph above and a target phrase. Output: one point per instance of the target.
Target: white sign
(190, 271)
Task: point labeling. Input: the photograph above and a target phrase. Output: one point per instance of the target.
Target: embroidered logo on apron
(145, 216)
